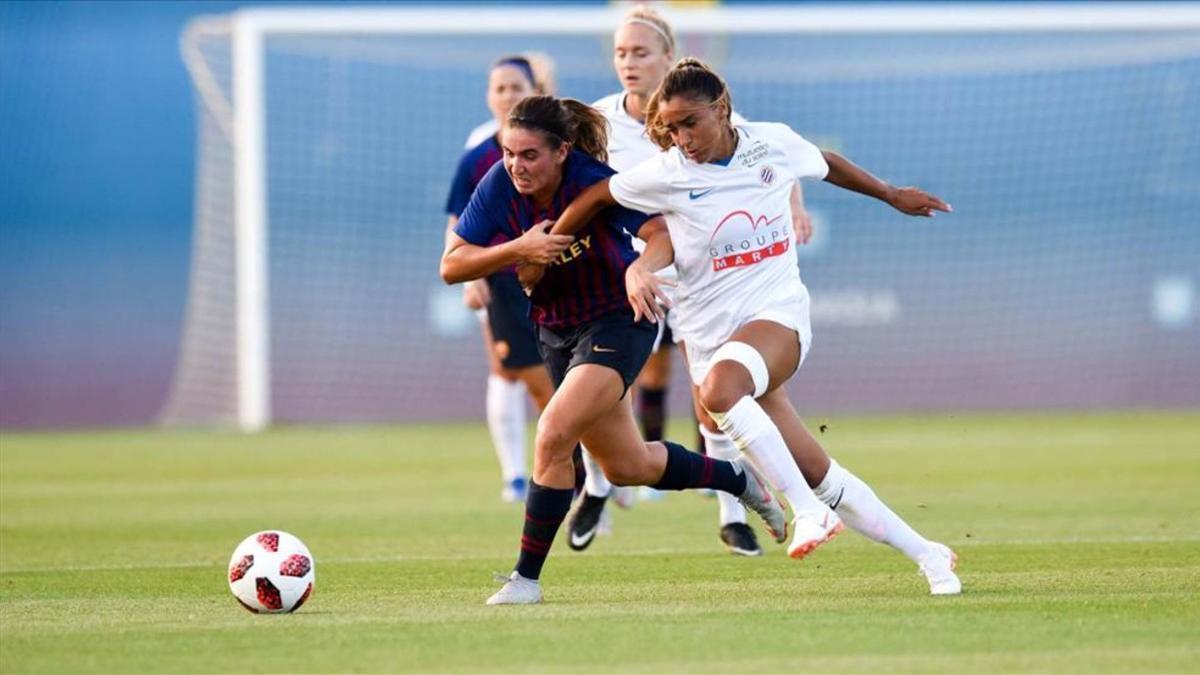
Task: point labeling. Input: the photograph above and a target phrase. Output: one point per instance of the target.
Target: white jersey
(628, 143)
(628, 146)
(731, 227)
(481, 133)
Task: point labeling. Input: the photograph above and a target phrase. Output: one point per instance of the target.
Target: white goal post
(232, 90)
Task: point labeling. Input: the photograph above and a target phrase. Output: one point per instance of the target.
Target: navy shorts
(613, 340)
(513, 338)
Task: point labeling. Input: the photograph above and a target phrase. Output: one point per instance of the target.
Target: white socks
(506, 422)
(718, 446)
(596, 483)
(856, 503)
(753, 432)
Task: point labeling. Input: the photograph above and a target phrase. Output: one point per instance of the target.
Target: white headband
(666, 38)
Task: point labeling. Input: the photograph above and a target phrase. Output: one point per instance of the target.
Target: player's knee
(738, 370)
(553, 440)
(718, 394)
(560, 461)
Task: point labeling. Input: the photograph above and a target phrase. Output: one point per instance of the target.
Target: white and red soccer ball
(271, 572)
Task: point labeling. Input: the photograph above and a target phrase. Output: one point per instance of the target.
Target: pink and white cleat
(812, 529)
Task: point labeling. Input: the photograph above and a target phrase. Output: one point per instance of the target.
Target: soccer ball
(271, 572)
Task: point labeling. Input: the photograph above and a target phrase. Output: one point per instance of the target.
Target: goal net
(1066, 137)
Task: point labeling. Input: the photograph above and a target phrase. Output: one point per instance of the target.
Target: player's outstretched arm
(848, 175)
(463, 261)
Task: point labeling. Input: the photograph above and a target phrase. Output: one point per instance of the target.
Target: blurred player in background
(593, 345)
(743, 310)
(515, 366)
(545, 83)
(643, 52)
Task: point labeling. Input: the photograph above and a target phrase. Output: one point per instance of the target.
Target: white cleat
(937, 566)
(517, 590)
(812, 529)
(758, 498)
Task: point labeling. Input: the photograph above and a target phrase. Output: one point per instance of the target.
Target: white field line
(1149, 539)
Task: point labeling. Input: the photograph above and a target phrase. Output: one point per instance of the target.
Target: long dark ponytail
(563, 120)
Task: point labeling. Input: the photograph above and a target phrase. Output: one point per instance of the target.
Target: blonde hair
(646, 16)
(544, 72)
(689, 77)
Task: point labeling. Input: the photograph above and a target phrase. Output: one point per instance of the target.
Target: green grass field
(1079, 540)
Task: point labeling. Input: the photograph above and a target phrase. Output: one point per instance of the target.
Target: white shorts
(791, 313)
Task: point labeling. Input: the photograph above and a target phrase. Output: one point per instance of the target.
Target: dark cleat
(585, 521)
(740, 540)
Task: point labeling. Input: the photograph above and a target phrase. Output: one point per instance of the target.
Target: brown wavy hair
(692, 78)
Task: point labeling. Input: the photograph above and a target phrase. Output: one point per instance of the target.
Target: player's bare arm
(476, 294)
(643, 288)
(578, 213)
(910, 200)
(464, 261)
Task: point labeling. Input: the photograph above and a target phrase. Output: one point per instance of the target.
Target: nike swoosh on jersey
(602, 350)
(693, 194)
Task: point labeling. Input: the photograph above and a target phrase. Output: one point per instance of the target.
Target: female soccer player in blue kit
(591, 342)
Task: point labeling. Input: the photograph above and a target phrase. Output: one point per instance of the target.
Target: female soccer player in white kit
(742, 308)
(643, 53)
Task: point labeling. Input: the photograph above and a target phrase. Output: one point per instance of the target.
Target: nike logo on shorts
(602, 350)
(694, 194)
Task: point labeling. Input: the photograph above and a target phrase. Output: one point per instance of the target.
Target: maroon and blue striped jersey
(587, 280)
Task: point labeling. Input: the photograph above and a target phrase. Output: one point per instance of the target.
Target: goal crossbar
(932, 18)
